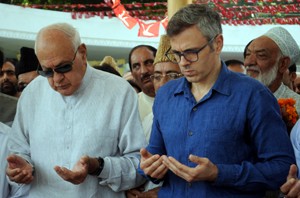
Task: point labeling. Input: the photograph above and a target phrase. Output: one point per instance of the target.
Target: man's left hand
(204, 171)
(79, 172)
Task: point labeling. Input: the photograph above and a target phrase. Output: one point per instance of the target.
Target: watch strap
(99, 168)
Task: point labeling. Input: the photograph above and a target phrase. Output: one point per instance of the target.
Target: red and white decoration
(251, 12)
(145, 29)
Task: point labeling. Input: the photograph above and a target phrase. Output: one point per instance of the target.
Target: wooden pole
(175, 5)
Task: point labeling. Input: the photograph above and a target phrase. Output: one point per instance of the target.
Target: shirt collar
(86, 80)
(280, 91)
(222, 85)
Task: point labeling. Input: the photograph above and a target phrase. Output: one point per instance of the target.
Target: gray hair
(66, 28)
(207, 20)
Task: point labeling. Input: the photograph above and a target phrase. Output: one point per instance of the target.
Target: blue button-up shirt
(237, 125)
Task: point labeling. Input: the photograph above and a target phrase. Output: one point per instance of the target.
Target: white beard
(268, 77)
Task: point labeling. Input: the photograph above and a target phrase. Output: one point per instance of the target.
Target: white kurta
(295, 138)
(99, 119)
(145, 105)
(145, 110)
(6, 189)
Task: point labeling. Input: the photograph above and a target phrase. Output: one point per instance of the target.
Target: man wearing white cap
(269, 56)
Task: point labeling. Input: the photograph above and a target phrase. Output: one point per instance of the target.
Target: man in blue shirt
(215, 133)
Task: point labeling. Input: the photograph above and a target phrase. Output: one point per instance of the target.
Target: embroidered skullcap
(285, 42)
(163, 46)
(28, 61)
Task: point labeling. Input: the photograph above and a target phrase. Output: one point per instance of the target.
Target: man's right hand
(291, 188)
(152, 165)
(19, 170)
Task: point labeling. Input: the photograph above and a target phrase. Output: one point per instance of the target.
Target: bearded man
(8, 78)
(268, 57)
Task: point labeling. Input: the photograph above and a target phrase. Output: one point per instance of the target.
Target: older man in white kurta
(68, 119)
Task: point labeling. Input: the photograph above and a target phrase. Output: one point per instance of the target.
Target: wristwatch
(99, 168)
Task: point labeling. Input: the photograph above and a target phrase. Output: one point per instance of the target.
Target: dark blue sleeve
(271, 147)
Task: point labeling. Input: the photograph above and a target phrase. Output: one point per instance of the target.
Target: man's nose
(144, 69)
(250, 60)
(57, 77)
(184, 62)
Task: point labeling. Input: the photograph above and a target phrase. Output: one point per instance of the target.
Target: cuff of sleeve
(154, 180)
(105, 171)
(227, 174)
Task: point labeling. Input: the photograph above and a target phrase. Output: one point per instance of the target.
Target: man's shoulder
(8, 105)
(4, 129)
(172, 86)
(167, 92)
(109, 80)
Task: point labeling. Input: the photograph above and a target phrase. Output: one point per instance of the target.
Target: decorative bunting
(123, 15)
(233, 12)
(164, 22)
(148, 30)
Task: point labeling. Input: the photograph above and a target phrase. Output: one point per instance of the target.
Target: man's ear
(83, 51)
(284, 65)
(219, 40)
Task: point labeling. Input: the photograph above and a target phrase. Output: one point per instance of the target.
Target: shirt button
(190, 133)
(190, 184)
(195, 109)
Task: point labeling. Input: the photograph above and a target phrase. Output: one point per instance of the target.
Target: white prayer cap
(285, 42)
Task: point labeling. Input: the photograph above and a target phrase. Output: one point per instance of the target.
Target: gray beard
(268, 78)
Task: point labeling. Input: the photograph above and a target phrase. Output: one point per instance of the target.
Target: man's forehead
(8, 67)
(141, 56)
(263, 44)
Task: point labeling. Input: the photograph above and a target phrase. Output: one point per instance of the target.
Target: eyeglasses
(64, 68)
(189, 55)
(169, 76)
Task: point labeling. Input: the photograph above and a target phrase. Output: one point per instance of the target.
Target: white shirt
(99, 119)
(145, 110)
(4, 186)
(145, 105)
(8, 190)
(295, 138)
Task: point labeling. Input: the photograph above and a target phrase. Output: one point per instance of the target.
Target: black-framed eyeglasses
(64, 68)
(170, 76)
(190, 55)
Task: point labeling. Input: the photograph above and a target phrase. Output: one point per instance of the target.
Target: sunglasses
(61, 69)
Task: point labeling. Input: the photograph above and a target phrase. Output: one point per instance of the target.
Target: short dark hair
(233, 62)
(207, 20)
(246, 48)
(13, 61)
(293, 68)
(152, 49)
(134, 85)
